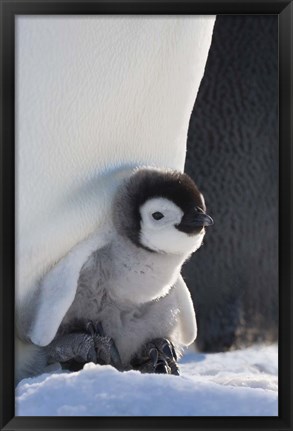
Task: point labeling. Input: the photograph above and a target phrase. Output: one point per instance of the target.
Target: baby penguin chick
(132, 308)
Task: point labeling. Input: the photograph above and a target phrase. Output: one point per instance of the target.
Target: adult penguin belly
(95, 96)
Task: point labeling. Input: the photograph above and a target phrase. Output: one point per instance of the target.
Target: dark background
(232, 155)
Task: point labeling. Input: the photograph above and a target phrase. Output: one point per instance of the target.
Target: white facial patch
(162, 235)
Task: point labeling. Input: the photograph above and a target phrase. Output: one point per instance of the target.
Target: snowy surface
(238, 383)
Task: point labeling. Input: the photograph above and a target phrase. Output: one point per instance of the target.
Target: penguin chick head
(161, 211)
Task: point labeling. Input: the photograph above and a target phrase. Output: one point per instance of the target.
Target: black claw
(100, 329)
(90, 329)
(161, 368)
(174, 353)
(115, 355)
(167, 350)
(153, 354)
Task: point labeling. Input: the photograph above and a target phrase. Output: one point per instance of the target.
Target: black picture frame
(9, 9)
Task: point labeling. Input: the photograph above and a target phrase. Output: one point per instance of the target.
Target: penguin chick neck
(140, 275)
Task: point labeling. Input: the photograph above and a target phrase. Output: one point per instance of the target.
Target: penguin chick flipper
(187, 326)
(157, 356)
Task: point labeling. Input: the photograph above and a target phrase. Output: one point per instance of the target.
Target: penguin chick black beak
(202, 219)
(192, 222)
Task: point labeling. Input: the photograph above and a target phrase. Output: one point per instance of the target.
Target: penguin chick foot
(75, 349)
(157, 356)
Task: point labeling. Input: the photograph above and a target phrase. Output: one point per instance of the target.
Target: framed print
(146, 215)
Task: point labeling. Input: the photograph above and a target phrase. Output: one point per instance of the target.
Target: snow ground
(238, 383)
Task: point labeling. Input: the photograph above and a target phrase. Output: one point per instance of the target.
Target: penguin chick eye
(157, 215)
